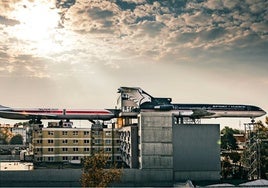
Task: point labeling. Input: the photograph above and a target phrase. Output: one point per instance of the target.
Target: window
(50, 141)
(50, 159)
(108, 149)
(97, 141)
(64, 149)
(64, 133)
(75, 141)
(108, 142)
(65, 158)
(86, 132)
(64, 141)
(86, 141)
(75, 158)
(39, 141)
(96, 132)
(75, 149)
(50, 149)
(96, 149)
(39, 159)
(75, 132)
(86, 149)
(50, 133)
(38, 149)
(108, 133)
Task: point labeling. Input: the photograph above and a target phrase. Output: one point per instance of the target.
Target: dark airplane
(145, 102)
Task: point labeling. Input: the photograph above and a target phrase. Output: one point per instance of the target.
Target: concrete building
(196, 152)
(178, 152)
(67, 144)
(129, 145)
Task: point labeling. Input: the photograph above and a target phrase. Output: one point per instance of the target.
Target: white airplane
(36, 114)
(145, 102)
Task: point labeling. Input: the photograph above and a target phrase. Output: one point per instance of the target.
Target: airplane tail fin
(141, 98)
(135, 94)
(3, 106)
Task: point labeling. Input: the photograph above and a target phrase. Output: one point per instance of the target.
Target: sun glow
(38, 26)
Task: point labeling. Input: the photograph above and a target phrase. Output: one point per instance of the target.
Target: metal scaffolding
(252, 151)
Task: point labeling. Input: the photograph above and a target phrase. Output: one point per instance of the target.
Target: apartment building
(66, 144)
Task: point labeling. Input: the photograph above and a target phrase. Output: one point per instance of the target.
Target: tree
(229, 152)
(17, 139)
(97, 172)
(228, 140)
(5, 135)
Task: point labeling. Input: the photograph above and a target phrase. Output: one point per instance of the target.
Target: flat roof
(15, 166)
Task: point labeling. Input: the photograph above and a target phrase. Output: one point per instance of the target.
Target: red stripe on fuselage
(39, 111)
(87, 112)
(66, 112)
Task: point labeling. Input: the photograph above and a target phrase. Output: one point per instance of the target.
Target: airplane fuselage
(221, 110)
(54, 113)
(209, 110)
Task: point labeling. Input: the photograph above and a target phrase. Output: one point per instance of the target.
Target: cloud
(230, 4)
(198, 18)
(23, 66)
(145, 19)
(261, 27)
(8, 6)
(8, 22)
(213, 4)
(93, 17)
(134, 1)
(110, 33)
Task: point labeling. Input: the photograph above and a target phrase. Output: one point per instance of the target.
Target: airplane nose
(263, 113)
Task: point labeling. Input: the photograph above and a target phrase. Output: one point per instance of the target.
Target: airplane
(142, 101)
(36, 114)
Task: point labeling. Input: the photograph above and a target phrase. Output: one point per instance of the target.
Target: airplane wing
(199, 113)
(25, 115)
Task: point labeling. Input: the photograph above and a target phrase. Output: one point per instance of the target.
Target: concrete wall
(196, 152)
(145, 177)
(41, 178)
(155, 132)
(71, 178)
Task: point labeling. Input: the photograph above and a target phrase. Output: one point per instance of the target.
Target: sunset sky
(77, 53)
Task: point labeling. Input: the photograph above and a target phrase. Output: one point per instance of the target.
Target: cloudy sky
(76, 53)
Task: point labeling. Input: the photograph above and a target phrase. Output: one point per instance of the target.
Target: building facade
(70, 145)
(129, 145)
